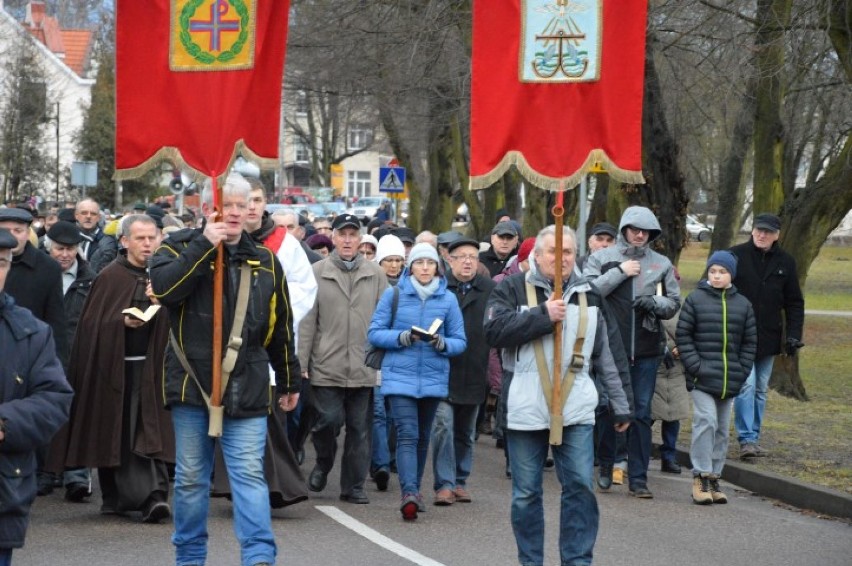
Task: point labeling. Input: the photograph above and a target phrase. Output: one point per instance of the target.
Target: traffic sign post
(391, 179)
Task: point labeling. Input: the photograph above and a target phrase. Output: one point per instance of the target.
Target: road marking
(376, 537)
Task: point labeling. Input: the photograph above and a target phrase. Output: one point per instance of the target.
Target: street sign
(391, 179)
(84, 173)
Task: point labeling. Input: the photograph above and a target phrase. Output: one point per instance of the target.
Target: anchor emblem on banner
(567, 46)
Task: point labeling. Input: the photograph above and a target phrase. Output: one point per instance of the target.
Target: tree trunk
(395, 141)
(786, 379)
(536, 214)
(598, 212)
(731, 193)
(769, 136)
(664, 191)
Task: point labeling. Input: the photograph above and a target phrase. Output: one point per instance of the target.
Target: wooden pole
(556, 391)
(218, 288)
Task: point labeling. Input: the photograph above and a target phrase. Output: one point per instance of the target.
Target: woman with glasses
(390, 255)
(416, 366)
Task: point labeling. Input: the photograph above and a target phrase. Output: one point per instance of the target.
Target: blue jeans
(751, 402)
(242, 442)
(578, 518)
(643, 378)
(413, 421)
(453, 436)
(380, 459)
(5, 557)
(669, 431)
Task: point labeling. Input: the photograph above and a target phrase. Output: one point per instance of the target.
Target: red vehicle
(295, 195)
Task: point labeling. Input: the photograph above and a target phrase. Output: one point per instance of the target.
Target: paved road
(324, 531)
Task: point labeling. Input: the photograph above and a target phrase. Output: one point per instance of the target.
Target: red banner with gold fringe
(198, 81)
(557, 87)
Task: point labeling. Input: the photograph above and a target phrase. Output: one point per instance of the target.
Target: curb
(791, 491)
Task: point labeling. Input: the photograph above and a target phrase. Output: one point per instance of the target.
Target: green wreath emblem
(196, 51)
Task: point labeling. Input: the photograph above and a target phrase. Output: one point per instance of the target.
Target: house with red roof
(66, 59)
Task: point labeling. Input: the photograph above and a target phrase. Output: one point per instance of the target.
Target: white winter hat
(368, 239)
(423, 251)
(389, 246)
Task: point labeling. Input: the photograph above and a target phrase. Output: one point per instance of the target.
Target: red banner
(557, 87)
(198, 81)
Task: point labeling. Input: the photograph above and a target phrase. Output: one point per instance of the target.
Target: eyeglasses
(464, 258)
(392, 260)
(638, 230)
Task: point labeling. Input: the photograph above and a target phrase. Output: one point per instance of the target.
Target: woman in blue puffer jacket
(415, 372)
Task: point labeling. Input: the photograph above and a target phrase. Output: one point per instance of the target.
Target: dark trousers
(643, 378)
(336, 407)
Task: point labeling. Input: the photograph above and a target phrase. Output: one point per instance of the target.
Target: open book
(427, 335)
(143, 316)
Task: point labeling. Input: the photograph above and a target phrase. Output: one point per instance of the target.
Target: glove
(792, 346)
(405, 338)
(645, 303)
(438, 343)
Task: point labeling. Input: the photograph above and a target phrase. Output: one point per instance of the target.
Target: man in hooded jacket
(641, 290)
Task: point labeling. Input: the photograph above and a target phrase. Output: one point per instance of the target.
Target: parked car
(365, 208)
(697, 230)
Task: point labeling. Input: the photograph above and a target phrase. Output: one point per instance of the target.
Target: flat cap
(7, 240)
(16, 215)
(66, 214)
(446, 238)
(462, 241)
(407, 235)
(346, 221)
(604, 228)
(65, 233)
(505, 228)
(767, 221)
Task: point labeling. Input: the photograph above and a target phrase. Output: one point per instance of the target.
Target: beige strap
(577, 358)
(234, 342)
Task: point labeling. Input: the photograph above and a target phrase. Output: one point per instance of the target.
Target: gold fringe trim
(173, 155)
(596, 157)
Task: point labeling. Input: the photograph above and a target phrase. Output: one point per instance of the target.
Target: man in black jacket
(182, 280)
(454, 428)
(767, 276)
(504, 243)
(35, 403)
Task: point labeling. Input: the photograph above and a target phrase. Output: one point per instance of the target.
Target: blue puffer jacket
(418, 370)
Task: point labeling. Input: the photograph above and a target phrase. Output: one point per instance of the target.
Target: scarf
(350, 265)
(425, 291)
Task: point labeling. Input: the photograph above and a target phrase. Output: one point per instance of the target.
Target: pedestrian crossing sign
(391, 179)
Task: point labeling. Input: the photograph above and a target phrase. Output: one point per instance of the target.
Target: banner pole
(215, 428)
(556, 391)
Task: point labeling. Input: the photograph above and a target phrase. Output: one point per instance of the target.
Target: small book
(427, 335)
(143, 316)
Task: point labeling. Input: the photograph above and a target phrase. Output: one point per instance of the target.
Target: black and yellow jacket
(182, 279)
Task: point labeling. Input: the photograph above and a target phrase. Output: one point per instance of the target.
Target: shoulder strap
(394, 304)
(577, 359)
(234, 343)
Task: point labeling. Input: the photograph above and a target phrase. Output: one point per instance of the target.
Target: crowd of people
(407, 341)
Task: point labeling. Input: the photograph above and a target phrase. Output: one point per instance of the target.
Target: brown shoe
(444, 497)
(462, 496)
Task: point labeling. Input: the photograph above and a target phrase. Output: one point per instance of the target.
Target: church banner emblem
(212, 35)
(561, 40)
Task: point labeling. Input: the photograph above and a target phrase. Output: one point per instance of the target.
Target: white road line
(376, 537)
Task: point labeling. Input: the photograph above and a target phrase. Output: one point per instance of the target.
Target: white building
(66, 60)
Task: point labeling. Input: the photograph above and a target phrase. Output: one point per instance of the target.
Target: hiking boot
(716, 491)
(409, 507)
(444, 497)
(701, 490)
(748, 451)
(462, 495)
(761, 451)
(617, 476)
(605, 477)
(670, 466)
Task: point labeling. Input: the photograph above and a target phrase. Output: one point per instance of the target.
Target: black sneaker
(381, 476)
(155, 512)
(77, 492)
(670, 466)
(641, 491)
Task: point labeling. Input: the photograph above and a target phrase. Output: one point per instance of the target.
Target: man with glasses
(454, 428)
(88, 216)
(331, 349)
(641, 289)
(504, 242)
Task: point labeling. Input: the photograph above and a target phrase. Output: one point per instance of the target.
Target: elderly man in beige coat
(332, 337)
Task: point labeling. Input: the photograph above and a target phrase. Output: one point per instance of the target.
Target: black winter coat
(76, 296)
(469, 371)
(494, 264)
(35, 282)
(35, 400)
(182, 279)
(769, 280)
(717, 340)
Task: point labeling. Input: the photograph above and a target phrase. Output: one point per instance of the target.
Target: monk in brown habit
(118, 424)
